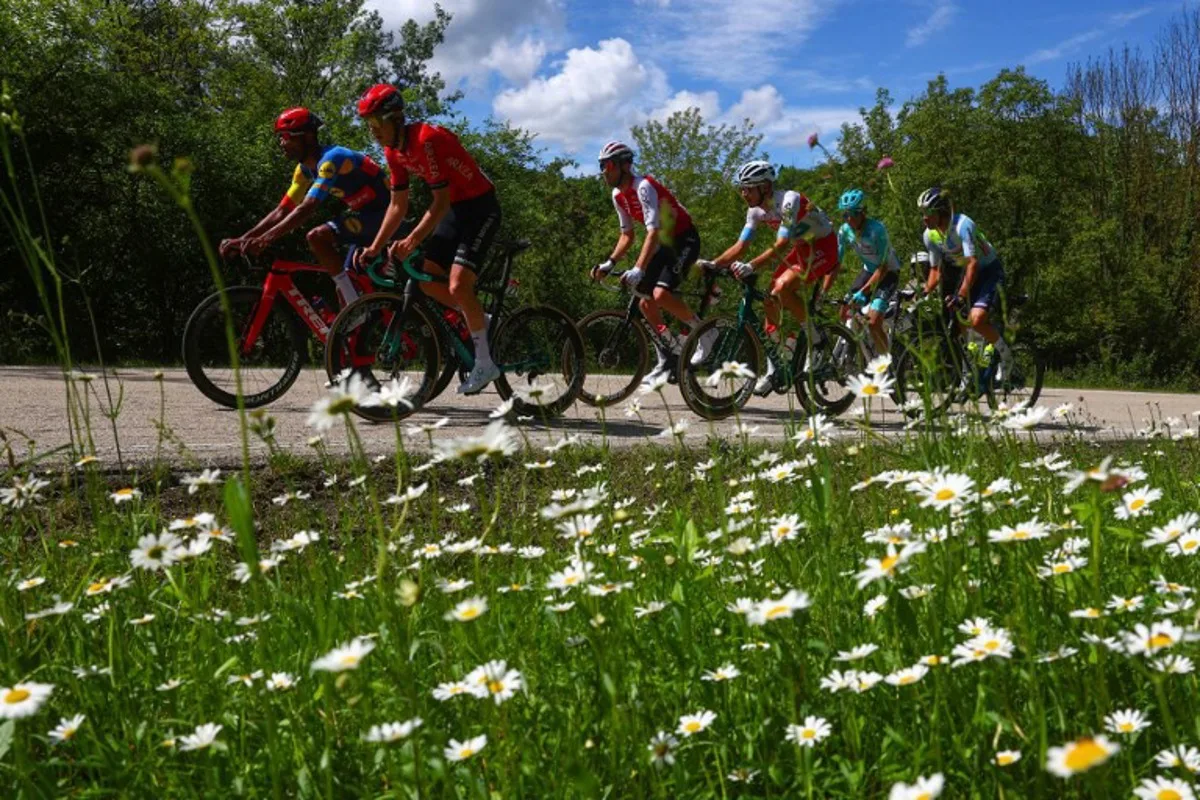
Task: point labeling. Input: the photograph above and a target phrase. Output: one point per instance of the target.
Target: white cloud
(708, 103)
(516, 62)
(726, 41)
(597, 92)
(762, 106)
(508, 36)
(938, 20)
(784, 125)
(1065, 47)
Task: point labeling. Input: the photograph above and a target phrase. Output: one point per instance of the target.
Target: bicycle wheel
(270, 367)
(833, 362)
(1023, 386)
(616, 355)
(541, 357)
(930, 371)
(706, 390)
(376, 334)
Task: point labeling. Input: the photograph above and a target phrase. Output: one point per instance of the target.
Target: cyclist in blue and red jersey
(321, 171)
(457, 229)
(670, 248)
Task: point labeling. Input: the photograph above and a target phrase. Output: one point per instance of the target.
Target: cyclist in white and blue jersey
(880, 276)
(956, 245)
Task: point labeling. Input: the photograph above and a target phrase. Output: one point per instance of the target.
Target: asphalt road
(33, 409)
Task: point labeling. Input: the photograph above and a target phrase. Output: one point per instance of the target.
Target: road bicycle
(617, 344)
(714, 389)
(401, 334)
(273, 324)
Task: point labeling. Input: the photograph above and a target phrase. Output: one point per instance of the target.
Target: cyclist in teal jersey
(880, 276)
(954, 242)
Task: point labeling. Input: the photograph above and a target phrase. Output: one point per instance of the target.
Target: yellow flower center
(777, 611)
(97, 587)
(14, 696)
(1085, 754)
(944, 494)
(1004, 759)
(906, 679)
(469, 613)
(495, 687)
(571, 580)
(1168, 794)
(1059, 569)
(870, 389)
(692, 726)
(466, 752)
(1126, 727)
(349, 660)
(155, 552)
(1137, 503)
(1020, 535)
(124, 492)
(889, 563)
(808, 733)
(991, 645)
(1160, 640)
(1190, 544)
(924, 796)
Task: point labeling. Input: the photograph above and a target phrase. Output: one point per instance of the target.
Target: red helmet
(297, 120)
(382, 99)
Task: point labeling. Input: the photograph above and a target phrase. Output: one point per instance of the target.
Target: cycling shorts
(670, 265)
(814, 260)
(357, 227)
(882, 296)
(465, 234)
(986, 291)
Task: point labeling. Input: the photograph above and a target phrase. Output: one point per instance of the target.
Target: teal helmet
(853, 200)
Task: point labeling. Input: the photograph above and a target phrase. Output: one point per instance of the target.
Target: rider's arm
(397, 208)
(433, 215)
(623, 245)
(966, 232)
(964, 288)
(827, 281)
(266, 223)
(648, 199)
(732, 254)
(294, 219)
(649, 248)
(770, 254)
(934, 278)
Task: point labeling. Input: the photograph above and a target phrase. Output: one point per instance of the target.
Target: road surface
(32, 408)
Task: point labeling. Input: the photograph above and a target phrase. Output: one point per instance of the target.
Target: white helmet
(754, 173)
(618, 151)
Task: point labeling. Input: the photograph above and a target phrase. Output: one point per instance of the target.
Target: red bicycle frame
(279, 282)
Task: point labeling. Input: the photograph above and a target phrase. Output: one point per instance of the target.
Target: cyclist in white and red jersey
(671, 246)
(457, 229)
(799, 225)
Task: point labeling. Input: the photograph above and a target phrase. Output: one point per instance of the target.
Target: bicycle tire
(1017, 390)
(610, 348)
(539, 342)
(934, 380)
(734, 343)
(418, 354)
(839, 359)
(205, 347)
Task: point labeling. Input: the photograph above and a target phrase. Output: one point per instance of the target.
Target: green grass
(599, 681)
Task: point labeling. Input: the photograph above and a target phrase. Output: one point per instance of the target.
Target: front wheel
(541, 358)
(616, 352)
(269, 365)
(723, 382)
(398, 347)
(1022, 386)
(930, 375)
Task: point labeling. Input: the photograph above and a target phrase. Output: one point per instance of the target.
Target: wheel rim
(710, 383)
(614, 358)
(268, 363)
(538, 356)
(829, 368)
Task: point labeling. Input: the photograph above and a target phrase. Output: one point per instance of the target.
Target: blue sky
(580, 72)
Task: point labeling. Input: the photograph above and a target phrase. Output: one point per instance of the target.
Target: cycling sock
(482, 354)
(692, 322)
(346, 289)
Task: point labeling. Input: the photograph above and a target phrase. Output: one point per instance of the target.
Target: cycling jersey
(872, 245)
(960, 242)
(348, 175)
(437, 156)
(791, 214)
(652, 204)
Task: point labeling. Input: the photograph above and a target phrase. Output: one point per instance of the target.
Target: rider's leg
(875, 320)
(462, 289)
(322, 240)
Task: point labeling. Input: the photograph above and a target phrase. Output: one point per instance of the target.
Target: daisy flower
(1148, 641)
(467, 610)
(204, 736)
(721, 674)
(944, 490)
(1127, 721)
(780, 608)
(1137, 503)
(1180, 756)
(392, 731)
(813, 730)
(494, 679)
(344, 657)
(23, 699)
(1079, 756)
(461, 751)
(923, 789)
(662, 749)
(155, 552)
(691, 724)
(1162, 788)
(1005, 758)
(908, 675)
(868, 386)
(67, 728)
(125, 495)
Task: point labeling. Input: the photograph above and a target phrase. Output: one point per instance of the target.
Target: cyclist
(798, 223)
(671, 246)
(972, 264)
(321, 171)
(457, 229)
(880, 276)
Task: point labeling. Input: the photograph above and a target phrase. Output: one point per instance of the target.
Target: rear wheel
(541, 357)
(616, 354)
(269, 367)
(375, 335)
(835, 360)
(930, 371)
(710, 390)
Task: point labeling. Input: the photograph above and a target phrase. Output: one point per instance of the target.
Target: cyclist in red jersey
(321, 172)
(457, 229)
(671, 246)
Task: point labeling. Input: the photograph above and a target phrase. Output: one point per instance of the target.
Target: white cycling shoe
(482, 374)
(703, 347)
